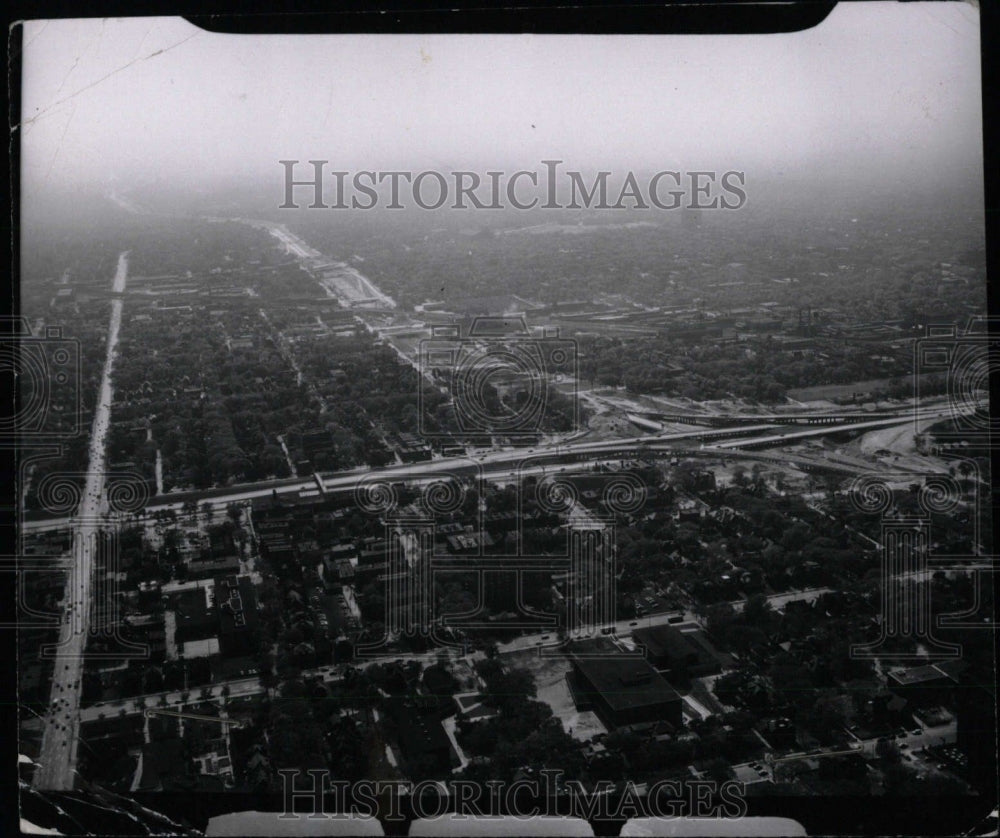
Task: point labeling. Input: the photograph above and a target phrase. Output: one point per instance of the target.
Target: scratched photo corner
(503, 434)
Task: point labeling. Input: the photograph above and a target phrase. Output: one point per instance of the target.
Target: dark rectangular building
(976, 710)
(421, 737)
(622, 689)
(668, 648)
(236, 605)
(932, 684)
(193, 618)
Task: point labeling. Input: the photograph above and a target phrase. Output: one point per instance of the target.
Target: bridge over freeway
(787, 437)
(502, 462)
(729, 420)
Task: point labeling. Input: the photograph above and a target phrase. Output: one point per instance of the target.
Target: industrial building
(622, 688)
(677, 652)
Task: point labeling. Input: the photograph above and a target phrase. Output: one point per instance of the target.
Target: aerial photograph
(503, 434)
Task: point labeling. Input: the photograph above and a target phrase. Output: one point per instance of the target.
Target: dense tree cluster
(524, 733)
(861, 258)
(760, 369)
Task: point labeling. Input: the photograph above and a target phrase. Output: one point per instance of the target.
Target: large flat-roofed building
(236, 604)
(212, 567)
(412, 449)
(668, 648)
(192, 616)
(201, 648)
(423, 741)
(623, 689)
(926, 685)
(975, 708)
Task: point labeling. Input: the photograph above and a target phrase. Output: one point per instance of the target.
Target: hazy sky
(882, 88)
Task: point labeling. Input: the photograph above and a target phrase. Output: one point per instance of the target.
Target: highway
(349, 285)
(57, 758)
(786, 437)
(61, 721)
(509, 463)
(293, 244)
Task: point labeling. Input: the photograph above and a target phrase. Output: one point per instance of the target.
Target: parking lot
(751, 772)
(945, 758)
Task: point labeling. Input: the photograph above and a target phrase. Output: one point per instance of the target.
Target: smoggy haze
(876, 91)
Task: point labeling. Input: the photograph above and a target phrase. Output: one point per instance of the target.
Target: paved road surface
(57, 758)
(625, 627)
(501, 463)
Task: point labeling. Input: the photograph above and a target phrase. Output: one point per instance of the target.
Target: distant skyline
(878, 91)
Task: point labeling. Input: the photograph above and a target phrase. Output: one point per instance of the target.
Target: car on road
(917, 732)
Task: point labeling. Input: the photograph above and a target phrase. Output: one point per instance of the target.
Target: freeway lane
(794, 435)
(60, 738)
(509, 463)
(340, 280)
